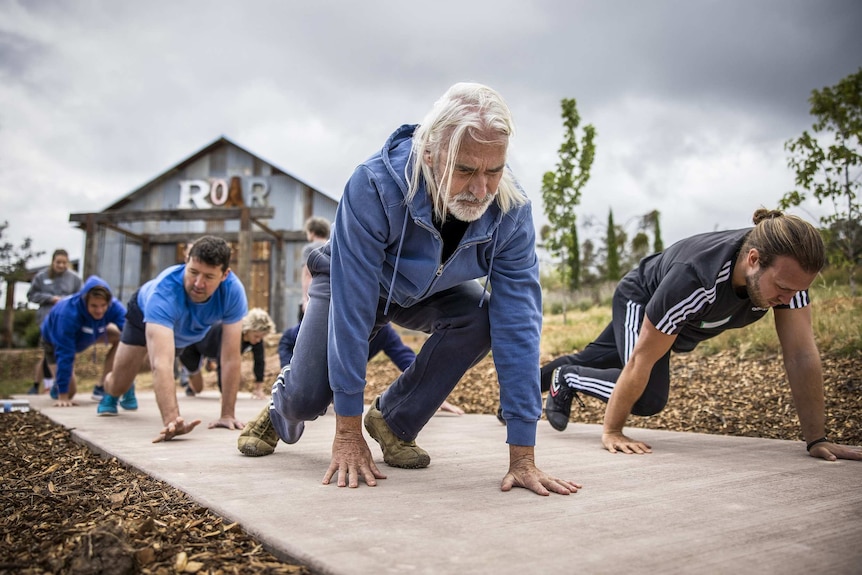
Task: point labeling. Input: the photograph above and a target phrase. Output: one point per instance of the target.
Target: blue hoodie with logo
(383, 247)
(71, 329)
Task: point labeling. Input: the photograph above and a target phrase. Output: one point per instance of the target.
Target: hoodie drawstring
(397, 260)
(490, 269)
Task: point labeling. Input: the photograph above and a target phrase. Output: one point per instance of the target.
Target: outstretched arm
(805, 374)
(651, 346)
(229, 361)
(160, 347)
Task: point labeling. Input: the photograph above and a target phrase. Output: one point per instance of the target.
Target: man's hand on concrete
(352, 459)
(614, 442)
(228, 423)
(834, 451)
(176, 427)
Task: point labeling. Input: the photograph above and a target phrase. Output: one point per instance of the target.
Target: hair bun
(761, 214)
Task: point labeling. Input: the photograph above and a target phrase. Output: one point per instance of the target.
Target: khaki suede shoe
(258, 438)
(396, 452)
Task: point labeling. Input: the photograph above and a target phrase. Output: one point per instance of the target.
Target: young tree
(832, 173)
(651, 220)
(13, 268)
(561, 192)
(612, 262)
(589, 264)
(639, 249)
(640, 244)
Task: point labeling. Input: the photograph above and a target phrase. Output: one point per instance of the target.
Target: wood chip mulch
(720, 394)
(64, 509)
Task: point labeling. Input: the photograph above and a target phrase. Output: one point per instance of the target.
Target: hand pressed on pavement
(351, 457)
(446, 406)
(228, 423)
(834, 451)
(176, 427)
(614, 442)
(524, 473)
(65, 403)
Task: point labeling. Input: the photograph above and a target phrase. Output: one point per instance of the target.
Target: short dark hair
(99, 292)
(317, 226)
(212, 251)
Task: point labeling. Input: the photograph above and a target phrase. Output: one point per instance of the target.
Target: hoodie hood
(386, 251)
(398, 160)
(92, 282)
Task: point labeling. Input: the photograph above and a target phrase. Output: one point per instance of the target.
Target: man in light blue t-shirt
(170, 312)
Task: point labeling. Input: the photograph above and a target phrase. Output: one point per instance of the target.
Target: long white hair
(466, 109)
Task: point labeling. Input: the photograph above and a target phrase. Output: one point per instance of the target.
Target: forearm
(805, 375)
(63, 373)
(230, 370)
(628, 389)
(259, 368)
(520, 454)
(164, 388)
(38, 295)
(348, 425)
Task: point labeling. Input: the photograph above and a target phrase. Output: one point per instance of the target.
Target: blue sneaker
(129, 402)
(108, 405)
(98, 393)
(55, 393)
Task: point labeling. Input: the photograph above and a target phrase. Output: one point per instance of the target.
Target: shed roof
(209, 148)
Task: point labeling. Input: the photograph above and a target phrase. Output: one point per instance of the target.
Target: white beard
(465, 208)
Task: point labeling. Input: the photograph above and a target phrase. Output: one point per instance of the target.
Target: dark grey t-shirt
(309, 247)
(687, 289)
(43, 288)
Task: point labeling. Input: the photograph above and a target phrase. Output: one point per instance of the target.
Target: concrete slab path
(700, 504)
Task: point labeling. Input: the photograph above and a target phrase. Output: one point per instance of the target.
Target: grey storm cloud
(692, 101)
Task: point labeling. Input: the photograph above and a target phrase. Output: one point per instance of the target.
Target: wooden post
(147, 273)
(91, 260)
(9, 316)
(243, 259)
(276, 299)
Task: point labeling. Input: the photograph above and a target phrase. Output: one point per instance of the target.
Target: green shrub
(31, 335)
(23, 326)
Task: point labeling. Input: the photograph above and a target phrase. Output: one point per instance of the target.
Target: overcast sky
(692, 100)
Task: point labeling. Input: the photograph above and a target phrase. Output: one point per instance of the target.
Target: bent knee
(649, 406)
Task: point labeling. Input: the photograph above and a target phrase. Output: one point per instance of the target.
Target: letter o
(218, 192)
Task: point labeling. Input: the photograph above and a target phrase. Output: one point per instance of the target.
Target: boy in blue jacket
(74, 324)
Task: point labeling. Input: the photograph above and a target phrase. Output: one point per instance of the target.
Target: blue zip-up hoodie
(71, 329)
(382, 247)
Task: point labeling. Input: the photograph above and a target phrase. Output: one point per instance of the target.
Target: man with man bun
(690, 292)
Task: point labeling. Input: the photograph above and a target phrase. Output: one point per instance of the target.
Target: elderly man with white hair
(419, 222)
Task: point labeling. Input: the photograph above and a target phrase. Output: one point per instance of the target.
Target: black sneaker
(500, 417)
(558, 405)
